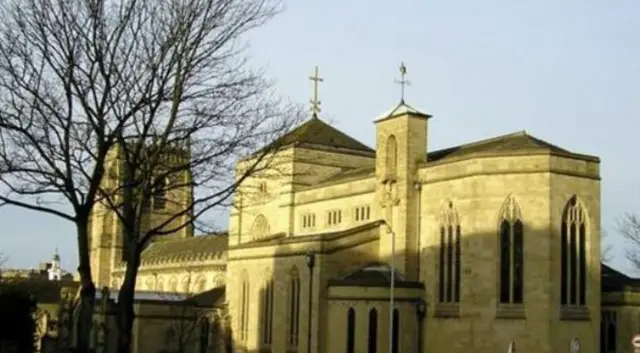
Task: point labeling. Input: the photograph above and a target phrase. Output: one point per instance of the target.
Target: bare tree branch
(606, 248)
(136, 107)
(629, 228)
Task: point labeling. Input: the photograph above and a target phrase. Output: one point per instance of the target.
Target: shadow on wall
(481, 291)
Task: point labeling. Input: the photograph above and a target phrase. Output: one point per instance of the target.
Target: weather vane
(403, 81)
(315, 102)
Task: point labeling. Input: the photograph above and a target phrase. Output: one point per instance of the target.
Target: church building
(489, 246)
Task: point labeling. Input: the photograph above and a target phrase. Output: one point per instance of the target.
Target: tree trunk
(125, 313)
(86, 303)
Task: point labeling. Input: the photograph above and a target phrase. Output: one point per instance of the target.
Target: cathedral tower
(401, 140)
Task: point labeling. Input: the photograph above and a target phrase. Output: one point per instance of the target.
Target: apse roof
(374, 275)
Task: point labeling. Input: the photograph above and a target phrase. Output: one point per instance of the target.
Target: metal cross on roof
(403, 81)
(315, 102)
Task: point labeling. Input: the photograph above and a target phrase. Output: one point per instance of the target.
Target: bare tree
(112, 105)
(606, 248)
(3, 261)
(629, 228)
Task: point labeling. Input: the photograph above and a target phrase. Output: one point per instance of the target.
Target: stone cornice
(324, 243)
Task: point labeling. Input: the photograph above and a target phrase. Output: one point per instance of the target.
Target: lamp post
(310, 259)
(421, 310)
(392, 269)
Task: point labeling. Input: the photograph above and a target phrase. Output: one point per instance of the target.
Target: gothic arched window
(260, 227)
(351, 330)
(450, 256)
(395, 334)
(173, 284)
(160, 194)
(391, 157)
(511, 253)
(573, 255)
(372, 345)
(608, 332)
(244, 306)
(293, 317)
(205, 329)
(267, 315)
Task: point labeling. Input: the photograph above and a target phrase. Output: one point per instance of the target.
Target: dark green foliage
(17, 323)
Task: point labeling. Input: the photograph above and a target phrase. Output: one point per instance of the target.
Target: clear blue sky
(566, 71)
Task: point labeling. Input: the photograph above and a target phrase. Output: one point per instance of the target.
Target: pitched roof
(316, 132)
(615, 281)
(193, 248)
(373, 275)
(519, 141)
(515, 142)
(211, 298)
(402, 109)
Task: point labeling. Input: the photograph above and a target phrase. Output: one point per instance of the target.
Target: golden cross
(403, 81)
(315, 102)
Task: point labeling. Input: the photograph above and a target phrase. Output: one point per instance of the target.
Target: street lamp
(421, 310)
(392, 268)
(310, 259)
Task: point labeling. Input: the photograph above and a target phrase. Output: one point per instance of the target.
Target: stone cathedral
(494, 244)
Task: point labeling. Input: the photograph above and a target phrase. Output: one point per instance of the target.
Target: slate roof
(212, 298)
(616, 281)
(373, 275)
(519, 141)
(315, 132)
(194, 248)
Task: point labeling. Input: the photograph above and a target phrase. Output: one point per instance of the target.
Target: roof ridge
(495, 138)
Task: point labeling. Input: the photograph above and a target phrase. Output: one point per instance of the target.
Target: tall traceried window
(160, 194)
(391, 157)
(573, 254)
(205, 331)
(511, 253)
(351, 330)
(449, 259)
(260, 227)
(608, 332)
(293, 310)
(244, 308)
(395, 334)
(372, 344)
(267, 316)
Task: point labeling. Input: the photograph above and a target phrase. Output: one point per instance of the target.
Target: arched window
(395, 339)
(293, 317)
(186, 281)
(173, 284)
(391, 158)
(244, 306)
(267, 315)
(450, 256)
(511, 253)
(260, 228)
(204, 335)
(150, 283)
(573, 256)
(351, 330)
(201, 285)
(373, 331)
(160, 284)
(608, 332)
(160, 194)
